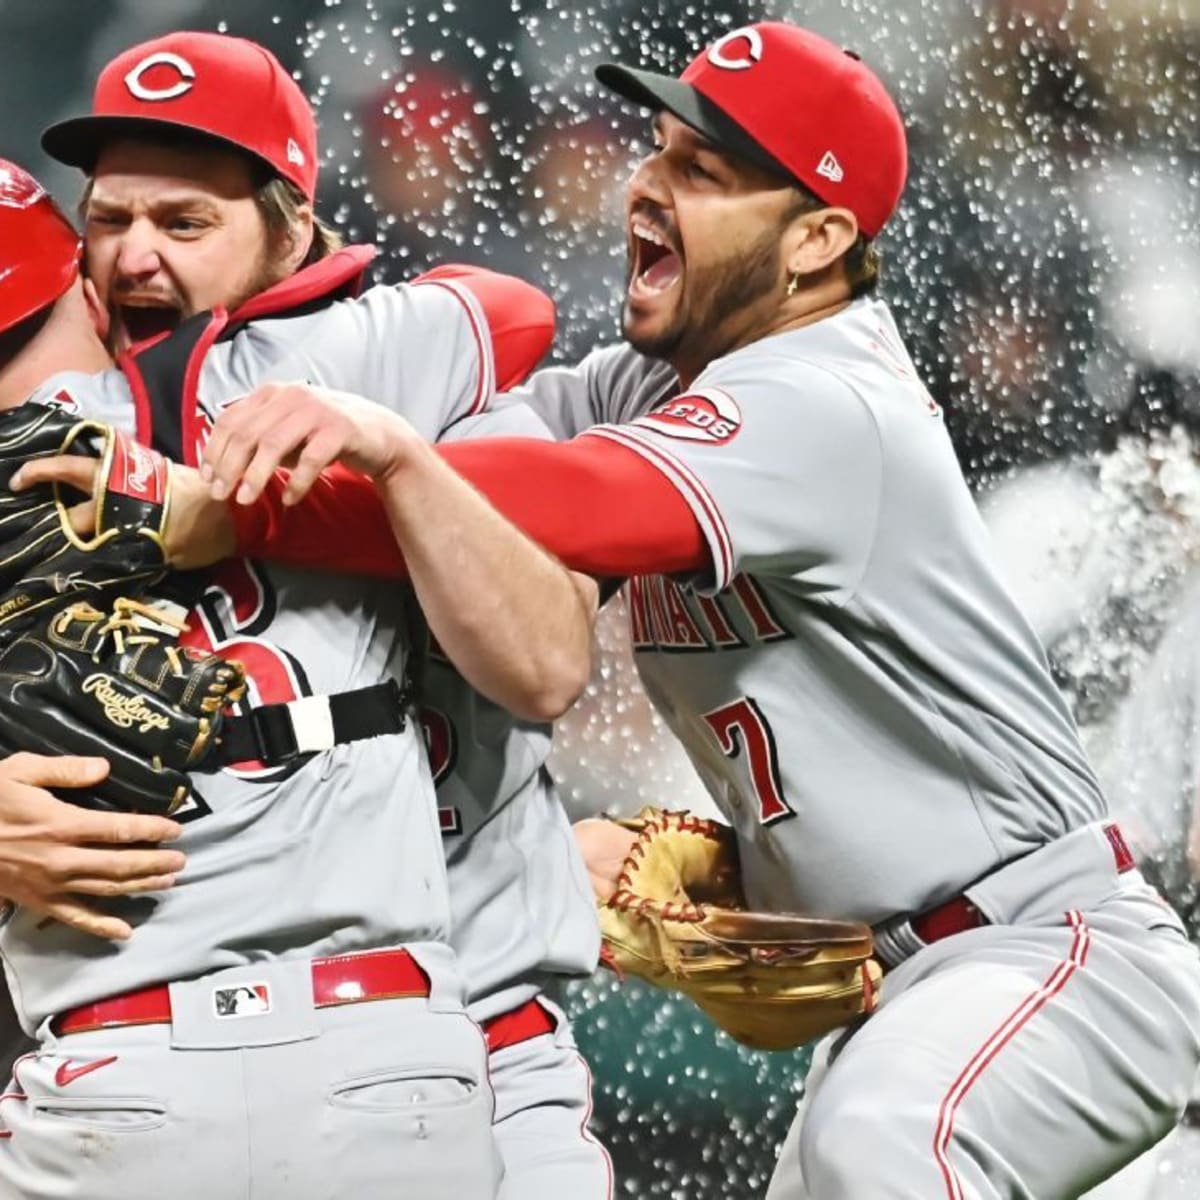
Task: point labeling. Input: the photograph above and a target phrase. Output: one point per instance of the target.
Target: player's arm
(513, 620)
(689, 487)
(54, 855)
(595, 505)
(515, 623)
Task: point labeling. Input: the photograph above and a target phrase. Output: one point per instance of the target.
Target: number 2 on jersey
(741, 726)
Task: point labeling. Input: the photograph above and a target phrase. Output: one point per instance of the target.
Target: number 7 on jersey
(741, 725)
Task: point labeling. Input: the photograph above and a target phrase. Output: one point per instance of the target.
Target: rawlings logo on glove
(122, 711)
(118, 685)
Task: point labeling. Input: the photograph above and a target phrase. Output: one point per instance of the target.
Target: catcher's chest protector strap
(164, 376)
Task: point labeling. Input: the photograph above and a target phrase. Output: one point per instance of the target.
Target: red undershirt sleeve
(597, 506)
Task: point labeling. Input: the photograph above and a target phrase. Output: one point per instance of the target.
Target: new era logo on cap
(294, 153)
(830, 167)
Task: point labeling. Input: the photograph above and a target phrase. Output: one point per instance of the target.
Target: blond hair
(279, 202)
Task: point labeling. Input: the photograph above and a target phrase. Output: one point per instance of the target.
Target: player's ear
(99, 315)
(816, 240)
(299, 237)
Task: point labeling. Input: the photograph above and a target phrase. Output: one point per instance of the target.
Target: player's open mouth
(135, 321)
(657, 266)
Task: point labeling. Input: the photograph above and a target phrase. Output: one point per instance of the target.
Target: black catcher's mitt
(84, 667)
(117, 685)
(44, 565)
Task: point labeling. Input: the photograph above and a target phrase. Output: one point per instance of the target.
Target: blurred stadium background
(1045, 267)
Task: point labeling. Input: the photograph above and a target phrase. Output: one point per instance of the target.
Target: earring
(794, 284)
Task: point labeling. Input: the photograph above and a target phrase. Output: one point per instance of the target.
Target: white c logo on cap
(164, 58)
(754, 49)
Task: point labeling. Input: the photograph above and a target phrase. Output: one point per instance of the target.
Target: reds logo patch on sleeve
(705, 415)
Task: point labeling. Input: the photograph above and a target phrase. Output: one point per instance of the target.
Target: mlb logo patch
(242, 1000)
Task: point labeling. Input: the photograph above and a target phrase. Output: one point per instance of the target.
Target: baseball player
(421, 1059)
(507, 840)
(827, 636)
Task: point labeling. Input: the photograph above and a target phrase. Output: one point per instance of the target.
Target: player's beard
(267, 273)
(706, 323)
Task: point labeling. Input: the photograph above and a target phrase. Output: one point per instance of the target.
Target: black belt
(280, 733)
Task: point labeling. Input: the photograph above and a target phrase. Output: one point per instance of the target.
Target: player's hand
(604, 845)
(74, 471)
(54, 854)
(304, 428)
(199, 530)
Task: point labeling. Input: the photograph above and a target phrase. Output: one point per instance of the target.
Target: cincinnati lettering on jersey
(666, 616)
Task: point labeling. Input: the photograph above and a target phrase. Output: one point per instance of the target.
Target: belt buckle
(273, 734)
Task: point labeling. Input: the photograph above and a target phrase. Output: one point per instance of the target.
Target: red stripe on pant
(1011, 1026)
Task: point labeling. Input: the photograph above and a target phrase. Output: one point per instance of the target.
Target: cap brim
(654, 91)
(78, 141)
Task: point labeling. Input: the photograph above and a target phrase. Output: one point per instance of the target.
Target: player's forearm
(596, 506)
(515, 623)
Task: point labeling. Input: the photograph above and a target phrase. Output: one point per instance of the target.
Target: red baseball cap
(39, 249)
(794, 104)
(226, 88)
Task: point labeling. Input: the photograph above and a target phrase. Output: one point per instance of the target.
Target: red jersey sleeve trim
(519, 316)
(690, 487)
(485, 385)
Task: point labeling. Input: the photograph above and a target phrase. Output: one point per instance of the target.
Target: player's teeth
(647, 235)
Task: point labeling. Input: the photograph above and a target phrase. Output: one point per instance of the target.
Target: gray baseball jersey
(523, 914)
(852, 682)
(877, 720)
(522, 907)
(344, 852)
